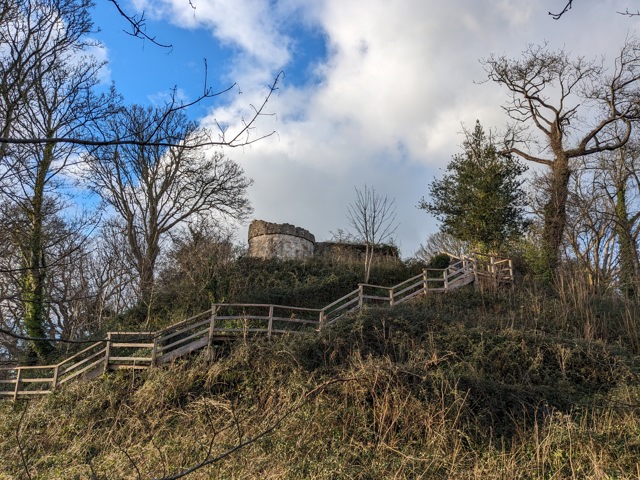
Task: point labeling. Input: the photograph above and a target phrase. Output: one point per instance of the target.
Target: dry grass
(513, 385)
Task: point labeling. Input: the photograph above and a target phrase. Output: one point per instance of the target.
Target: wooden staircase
(223, 321)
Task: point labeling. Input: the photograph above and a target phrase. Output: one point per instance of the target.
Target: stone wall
(344, 251)
(284, 241)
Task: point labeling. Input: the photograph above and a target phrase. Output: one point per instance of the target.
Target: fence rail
(132, 350)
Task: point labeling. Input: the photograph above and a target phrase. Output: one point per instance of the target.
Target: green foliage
(202, 271)
(438, 262)
(442, 260)
(479, 199)
(314, 282)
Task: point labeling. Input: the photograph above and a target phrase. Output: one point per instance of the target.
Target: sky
(373, 92)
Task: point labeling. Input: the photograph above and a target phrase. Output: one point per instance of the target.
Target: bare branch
(240, 138)
(569, 4)
(138, 26)
(567, 7)
(629, 13)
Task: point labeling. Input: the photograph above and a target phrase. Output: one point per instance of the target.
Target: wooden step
(184, 350)
(462, 281)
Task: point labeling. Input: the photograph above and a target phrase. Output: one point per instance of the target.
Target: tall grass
(516, 384)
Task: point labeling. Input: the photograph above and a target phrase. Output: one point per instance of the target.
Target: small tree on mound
(479, 199)
(373, 217)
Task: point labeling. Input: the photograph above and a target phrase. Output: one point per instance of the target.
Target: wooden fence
(133, 350)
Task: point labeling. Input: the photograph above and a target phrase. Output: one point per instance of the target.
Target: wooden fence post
(424, 280)
(54, 382)
(360, 296)
(445, 283)
(321, 320)
(511, 279)
(494, 272)
(18, 382)
(270, 327)
(154, 352)
(212, 323)
(391, 297)
(474, 267)
(107, 352)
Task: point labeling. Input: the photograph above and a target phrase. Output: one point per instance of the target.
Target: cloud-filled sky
(374, 92)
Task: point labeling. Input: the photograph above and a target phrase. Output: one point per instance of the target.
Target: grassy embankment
(519, 384)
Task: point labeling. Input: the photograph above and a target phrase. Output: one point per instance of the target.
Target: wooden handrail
(336, 302)
(198, 330)
(81, 352)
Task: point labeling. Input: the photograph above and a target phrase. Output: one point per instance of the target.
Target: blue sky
(374, 92)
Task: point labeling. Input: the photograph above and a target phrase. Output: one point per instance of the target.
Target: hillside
(463, 385)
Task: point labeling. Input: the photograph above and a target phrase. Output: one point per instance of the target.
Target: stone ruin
(284, 241)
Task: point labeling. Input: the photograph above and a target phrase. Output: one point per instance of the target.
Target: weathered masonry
(284, 241)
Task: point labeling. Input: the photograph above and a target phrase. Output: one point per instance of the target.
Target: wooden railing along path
(133, 350)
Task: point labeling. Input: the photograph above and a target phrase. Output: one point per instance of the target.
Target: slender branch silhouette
(138, 26)
(567, 7)
(305, 398)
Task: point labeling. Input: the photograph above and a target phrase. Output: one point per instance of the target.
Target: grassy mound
(455, 386)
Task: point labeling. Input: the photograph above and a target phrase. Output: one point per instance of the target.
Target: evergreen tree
(479, 199)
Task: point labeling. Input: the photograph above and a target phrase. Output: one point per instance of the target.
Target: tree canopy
(565, 108)
(479, 199)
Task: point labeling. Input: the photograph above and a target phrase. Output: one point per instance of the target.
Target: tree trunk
(555, 213)
(629, 262)
(146, 281)
(147, 263)
(35, 275)
(368, 258)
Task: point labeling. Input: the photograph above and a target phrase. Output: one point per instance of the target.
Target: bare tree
(47, 82)
(50, 115)
(576, 107)
(35, 31)
(67, 287)
(373, 217)
(152, 188)
(590, 233)
(36, 37)
(114, 276)
(603, 221)
(616, 178)
(442, 242)
(569, 5)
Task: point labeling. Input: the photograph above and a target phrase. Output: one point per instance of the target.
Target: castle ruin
(284, 241)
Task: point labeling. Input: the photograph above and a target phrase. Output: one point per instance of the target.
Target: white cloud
(387, 103)
(251, 26)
